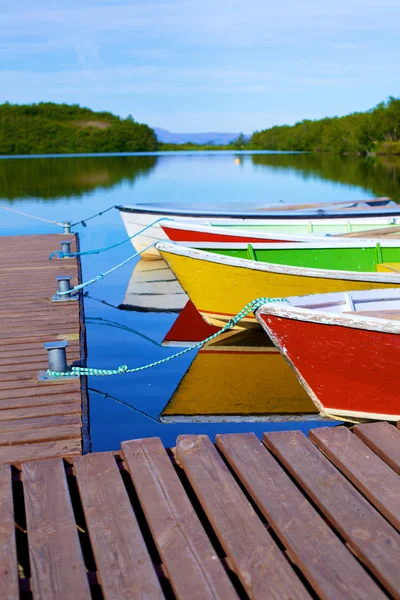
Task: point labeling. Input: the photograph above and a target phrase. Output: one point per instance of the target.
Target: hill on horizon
(50, 128)
(215, 138)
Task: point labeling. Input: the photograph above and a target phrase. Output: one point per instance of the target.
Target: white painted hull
(137, 221)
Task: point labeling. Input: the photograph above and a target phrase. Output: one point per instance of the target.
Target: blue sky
(202, 65)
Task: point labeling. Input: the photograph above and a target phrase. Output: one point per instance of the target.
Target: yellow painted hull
(229, 382)
(219, 290)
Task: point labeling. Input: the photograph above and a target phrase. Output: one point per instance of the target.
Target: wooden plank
(59, 432)
(124, 566)
(32, 402)
(41, 389)
(9, 584)
(375, 542)
(57, 566)
(324, 560)
(371, 475)
(188, 556)
(39, 422)
(252, 552)
(45, 387)
(383, 439)
(34, 359)
(29, 452)
(33, 413)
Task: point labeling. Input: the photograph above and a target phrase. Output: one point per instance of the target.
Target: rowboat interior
(362, 256)
(379, 304)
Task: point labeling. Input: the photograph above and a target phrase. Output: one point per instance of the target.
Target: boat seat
(389, 267)
(377, 314)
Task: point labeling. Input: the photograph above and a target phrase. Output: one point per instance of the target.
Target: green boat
(354, 255)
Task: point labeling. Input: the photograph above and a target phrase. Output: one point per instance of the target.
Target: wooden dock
(38, 419)
(290, 518)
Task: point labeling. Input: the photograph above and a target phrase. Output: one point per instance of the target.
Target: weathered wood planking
(252, 552)
(57, 565)
(383, 439)
(374, 541)
(325, 561)
(188, 555)
(371, 475)
(124, 566)
(35, 417)
(9, 584)
(124, 507)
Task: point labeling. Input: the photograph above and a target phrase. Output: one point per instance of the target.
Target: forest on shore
(374, 131)
(49, 128)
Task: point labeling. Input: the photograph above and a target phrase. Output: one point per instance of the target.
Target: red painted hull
(187, 235)
(350, 371)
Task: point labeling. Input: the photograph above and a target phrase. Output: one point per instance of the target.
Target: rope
(251, 306)
(99, 250)
(83, 221)
(102, 275)
(19, 212)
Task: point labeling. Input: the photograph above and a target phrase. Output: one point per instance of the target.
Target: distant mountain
(167, 137)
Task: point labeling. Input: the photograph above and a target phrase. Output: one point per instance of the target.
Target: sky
(202, 65)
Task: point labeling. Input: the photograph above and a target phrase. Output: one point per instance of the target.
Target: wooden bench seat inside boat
(392, 315)
(389, 267)
(384, 232)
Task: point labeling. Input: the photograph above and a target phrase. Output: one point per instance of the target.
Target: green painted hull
(343, 258)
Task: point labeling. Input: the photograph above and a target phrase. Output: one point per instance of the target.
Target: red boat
(344, 348)
(193, 232)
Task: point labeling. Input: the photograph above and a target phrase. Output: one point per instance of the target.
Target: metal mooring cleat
(57, 359)
(67, 227)
(66, 248)
(64, 285)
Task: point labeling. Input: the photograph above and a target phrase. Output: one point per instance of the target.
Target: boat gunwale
(317, 245)
(316, 214)
(345, 319)
(367, 276)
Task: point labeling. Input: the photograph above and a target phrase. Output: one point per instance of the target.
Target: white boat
(302, 220)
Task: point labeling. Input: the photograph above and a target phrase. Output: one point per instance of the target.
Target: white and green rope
(122, 370)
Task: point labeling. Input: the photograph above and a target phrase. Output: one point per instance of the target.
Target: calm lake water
(73, 188)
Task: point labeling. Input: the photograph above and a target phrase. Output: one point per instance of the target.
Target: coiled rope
(122, 370)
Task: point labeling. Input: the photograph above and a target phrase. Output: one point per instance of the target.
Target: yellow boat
(243, 375)
(220, 286)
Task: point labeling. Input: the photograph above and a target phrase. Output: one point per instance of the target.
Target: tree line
(377, 130)
(49, 128)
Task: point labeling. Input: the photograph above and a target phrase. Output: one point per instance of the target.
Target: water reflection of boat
(239, 375)
(153, 288)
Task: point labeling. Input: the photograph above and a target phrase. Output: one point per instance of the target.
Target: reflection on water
(238, 373)
(225, 371)
(62, 177)
(153, 288)
(52, 178)
(380, 175)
